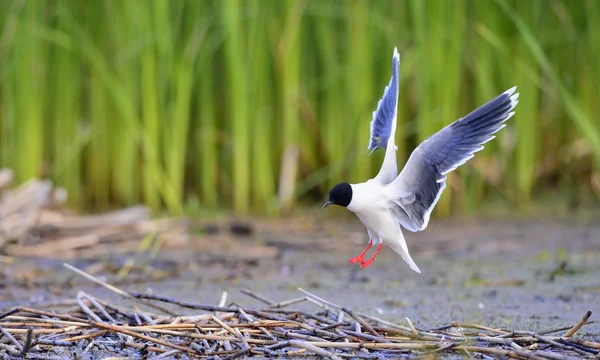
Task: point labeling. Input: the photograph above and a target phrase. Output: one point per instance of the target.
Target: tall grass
(440, 29)
(256, 105)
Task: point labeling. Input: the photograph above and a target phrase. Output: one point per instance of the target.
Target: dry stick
(398, 328)
(267, 313)
(223, 352)
(289, 334)
(54, 342)
(580, 347)
(578, 326)
(11, 338)
(360, 345)
(10, 349)
(298, 312)
(120, 310)
(100, 308)
(70, 330)
(36, 331)
(21, 324)
(289, 302)
(559, 345)
(246, 349)
(319, 331)
(477, 326)
(87, 336)
(25, 323)
(259, 297)
(147, 348)
(167, 353)
(184, 304)
(250, 320)
(440, 328)
(321, 300)
(507, 335)
(361, 321)
(91, 345)
(223, 325)
(242, 338)
(313, 348)
(116, 290)
(588, 344)
(555, 356)
(223, 301)
(227, 345)
(515, 354)
(496, 340)
(338, 324)
(318, 303)
(148, 318)
(303, 319)
(297, 353)
(442, 348)
(357, 327)
(92, 315)
(412, 327)
(520, 336)
(137, 319)
(278, 345)
(27, 344)
(237, 354)
(198, 348)
(340, 320)
(114, 328)
(546, 332)
(360, 335)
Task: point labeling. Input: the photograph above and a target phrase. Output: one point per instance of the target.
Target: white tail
(400, 247)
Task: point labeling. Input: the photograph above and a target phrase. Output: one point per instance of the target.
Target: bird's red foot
(368, 263)
(361, 257)
(357, 259)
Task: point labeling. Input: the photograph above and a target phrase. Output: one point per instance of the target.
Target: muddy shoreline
(499, 273)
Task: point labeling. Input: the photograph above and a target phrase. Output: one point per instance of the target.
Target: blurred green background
(260, 106)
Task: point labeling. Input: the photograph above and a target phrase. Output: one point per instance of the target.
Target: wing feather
(383, 125)
(416, 191)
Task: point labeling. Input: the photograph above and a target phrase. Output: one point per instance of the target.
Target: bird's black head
(341, 195)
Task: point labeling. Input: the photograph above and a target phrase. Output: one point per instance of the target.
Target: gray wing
(383, 125)
(417, 189)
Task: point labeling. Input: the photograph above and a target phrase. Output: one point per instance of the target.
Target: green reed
(256, 105)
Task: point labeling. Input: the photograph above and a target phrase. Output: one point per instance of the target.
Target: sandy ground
(531, 275)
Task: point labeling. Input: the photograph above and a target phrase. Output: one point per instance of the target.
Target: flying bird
(390, 201)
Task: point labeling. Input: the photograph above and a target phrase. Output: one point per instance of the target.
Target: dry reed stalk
(233, 332)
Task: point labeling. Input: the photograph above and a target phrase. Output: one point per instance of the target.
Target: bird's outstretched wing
(383, 125)
(417, 189)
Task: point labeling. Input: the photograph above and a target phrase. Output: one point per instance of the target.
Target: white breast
(372, 208)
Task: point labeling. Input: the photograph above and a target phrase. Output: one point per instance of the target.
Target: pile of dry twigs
(157, 327)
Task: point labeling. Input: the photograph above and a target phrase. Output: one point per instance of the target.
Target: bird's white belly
(380, 223)
(370, 204)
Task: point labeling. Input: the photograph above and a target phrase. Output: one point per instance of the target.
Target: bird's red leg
(368, 263)
(361, 256)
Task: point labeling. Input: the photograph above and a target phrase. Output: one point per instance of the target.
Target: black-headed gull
(390, 201)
